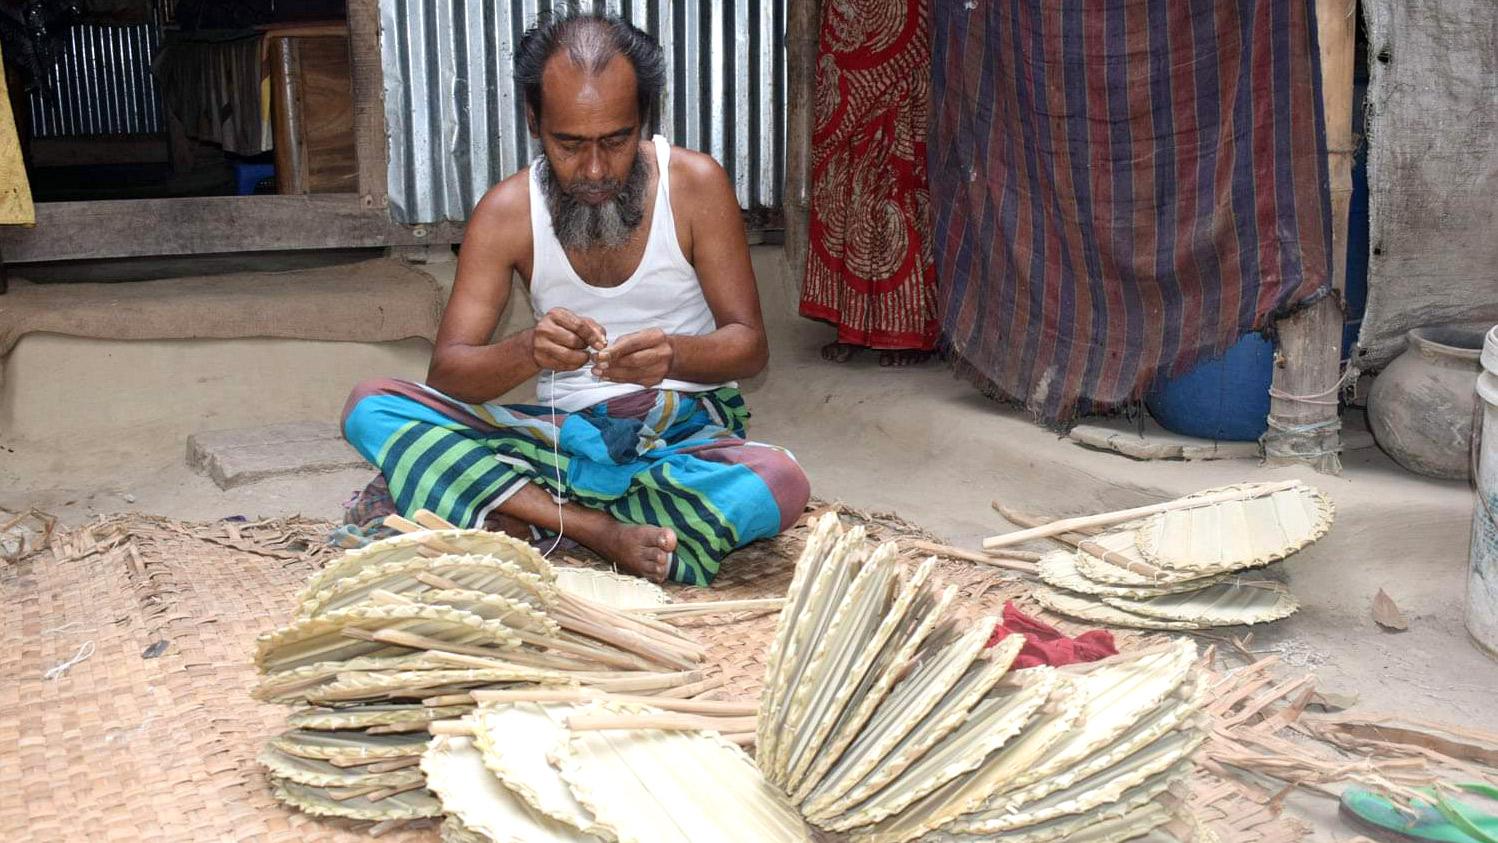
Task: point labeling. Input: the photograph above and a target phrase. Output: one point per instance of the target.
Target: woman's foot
(643, 551)
(838, 352)
(903, 357)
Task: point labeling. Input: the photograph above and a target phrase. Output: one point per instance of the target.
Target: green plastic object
(1440, 819)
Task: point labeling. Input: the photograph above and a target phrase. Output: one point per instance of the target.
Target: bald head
(590, 44)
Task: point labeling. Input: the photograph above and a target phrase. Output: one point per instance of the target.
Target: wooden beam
(1304, 425)
(800, 73)
(286, 117)
(211, 224)
(371, 143)
(1336, 28)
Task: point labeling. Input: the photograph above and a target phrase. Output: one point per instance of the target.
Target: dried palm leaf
(950, 711)
(1061, 569)
(291, 686)
(1114, 558)
(419, 684)
(1224, 604)
(1142, 776)
(810, 712)
(1000, 716)
(310, 640)
(453, 831)
(1179, 710)
(1236, 534)
(829, 584)
(473, 573)
(1115, 696)
(516, 741)
(456, 774)
(1093, 609)
(938, 668)
(409, 805)
(425, 544)
(348, 746)
(319, 773)
(969, 790)
(618, 591)
(490, 607)
(378, 714)
(824, 532)
(890, 663)
(1129, 821)
(660, 786)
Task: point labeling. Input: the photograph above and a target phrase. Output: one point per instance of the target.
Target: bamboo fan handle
(404, 525)
(1106, 519)
(431, 520)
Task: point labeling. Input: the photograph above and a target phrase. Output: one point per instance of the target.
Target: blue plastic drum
(1225, 399)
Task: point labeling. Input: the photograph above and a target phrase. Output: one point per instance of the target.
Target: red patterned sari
(869, 269)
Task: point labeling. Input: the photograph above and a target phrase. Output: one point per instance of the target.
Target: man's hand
(561, 340)
(643, 357)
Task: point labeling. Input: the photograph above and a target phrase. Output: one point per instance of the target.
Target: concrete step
(247, 455)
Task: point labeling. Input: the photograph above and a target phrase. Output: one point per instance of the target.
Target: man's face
(589, 127)
(593, 175)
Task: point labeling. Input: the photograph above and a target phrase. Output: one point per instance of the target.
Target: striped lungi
(669, 459)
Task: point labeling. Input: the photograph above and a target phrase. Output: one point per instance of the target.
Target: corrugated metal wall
(101, 84)
(457, 122)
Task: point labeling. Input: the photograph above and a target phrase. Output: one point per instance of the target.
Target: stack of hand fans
(888, 718)
(1182, 568)
(396, 635)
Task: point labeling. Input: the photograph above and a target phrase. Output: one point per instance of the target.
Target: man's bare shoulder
(507, 204)
(698, 172)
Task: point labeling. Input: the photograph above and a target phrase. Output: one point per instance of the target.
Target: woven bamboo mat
(126, 747)
(144, 739)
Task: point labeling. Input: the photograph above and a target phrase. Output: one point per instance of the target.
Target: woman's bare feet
(838, 352)
(643, 551)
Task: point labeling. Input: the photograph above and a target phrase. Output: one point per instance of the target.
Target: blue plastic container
(1226, 398)
(249, 174)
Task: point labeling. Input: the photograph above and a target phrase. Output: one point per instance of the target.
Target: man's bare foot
(510, 526)
(643, 551)
(838, 352)
(903, 357)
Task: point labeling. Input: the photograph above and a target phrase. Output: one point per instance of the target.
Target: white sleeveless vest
(664, 292)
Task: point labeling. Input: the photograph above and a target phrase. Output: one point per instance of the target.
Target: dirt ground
(918, 442)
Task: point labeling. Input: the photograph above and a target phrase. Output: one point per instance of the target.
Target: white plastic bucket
(1482, 582)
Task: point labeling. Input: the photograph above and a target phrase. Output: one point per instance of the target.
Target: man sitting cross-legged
(638, 269)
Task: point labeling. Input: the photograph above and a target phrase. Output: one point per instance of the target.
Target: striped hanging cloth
(1121, 188)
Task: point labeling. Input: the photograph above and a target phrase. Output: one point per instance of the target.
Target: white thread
(556, 459)
(58, 670)
(56, 629)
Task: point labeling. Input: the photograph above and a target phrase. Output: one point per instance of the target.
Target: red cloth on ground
(1045, 644)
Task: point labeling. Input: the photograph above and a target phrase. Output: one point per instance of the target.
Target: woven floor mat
(145, 740)
(122, 746)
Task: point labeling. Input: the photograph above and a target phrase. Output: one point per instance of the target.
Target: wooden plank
(327, 115)
(314, 115)
(1304, 425)
(209, 224)
(371, 144)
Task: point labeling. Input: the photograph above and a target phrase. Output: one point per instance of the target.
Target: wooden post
(371, 144)
(800, 74)
(1304, 425)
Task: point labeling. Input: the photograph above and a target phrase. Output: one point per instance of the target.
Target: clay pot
(1420, 407)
